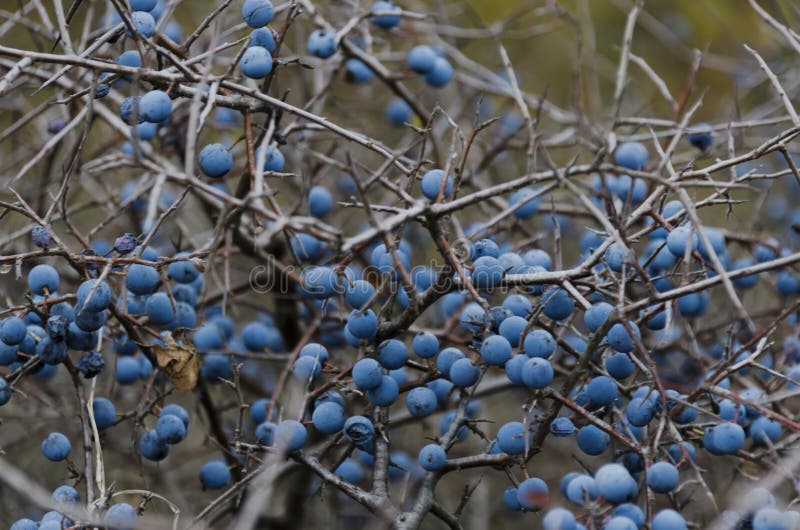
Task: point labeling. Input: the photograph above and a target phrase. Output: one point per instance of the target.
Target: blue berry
(385, 393)
(25, 524)
(291, 435)
(441, 74)
(321, 43)
(94, 296)
(421, 402)
(601, 391)
(559, 519)
(464, 373)
(432, 182)
(121, 516)
(668, 519)
(41, 278)
(214, 475)
(592, 441)
(615, 483)
(257, 13)
(306, 369)
(432, 457)
(385, 21)
(65, 495)
(398, 111)
(349, 471)
(356, 71)
(265, 433)
(262, 37)
(619, 523)
(425, 345)
(639, 411)
(680, 239)
(421, 59)
(56, 447)
(525, 203)
(537, 373)
(392, 354)
(144, 23)
(51, 352)
(129, 111)
(215, 160)
(662, 477)
(155, 106)
(170, 428)
(558, 304)
(320, 201)
(700, 136)
(256, 62)
(632, 155)
(359, 430)
(367, 374)
(618, 365)
(328, 418)
(533, 494)
(495, 350)
(630, 512)
(562, 426)
(620, 338)
(539, 343)
(363, 325)
(105, 414)
(159, 309)
(274, 160)
(152, 447)
(13, 331)
(511, 438)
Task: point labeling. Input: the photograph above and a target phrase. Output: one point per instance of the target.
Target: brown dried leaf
(179, 362)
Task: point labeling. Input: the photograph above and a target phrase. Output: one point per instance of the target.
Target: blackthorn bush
(355, 264)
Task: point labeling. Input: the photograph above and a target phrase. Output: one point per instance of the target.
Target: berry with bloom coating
(421, 402)
(291, 435)
(214, 475)
(421, 59)
(56, 447)
(256, 62)
(121, 516)
(385, 21)
(215, 160)
(155, 106)
(321, 43)
(41, 278)
(257, 13)
(328, 417)
(432, 182)
(432, 457)
(632, 155)
(511, 438)
(533, 494)
(662, 477)
(152, 447)
(170, 428)
(668, 519)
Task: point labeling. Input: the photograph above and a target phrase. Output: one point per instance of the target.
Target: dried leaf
(179, 362)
